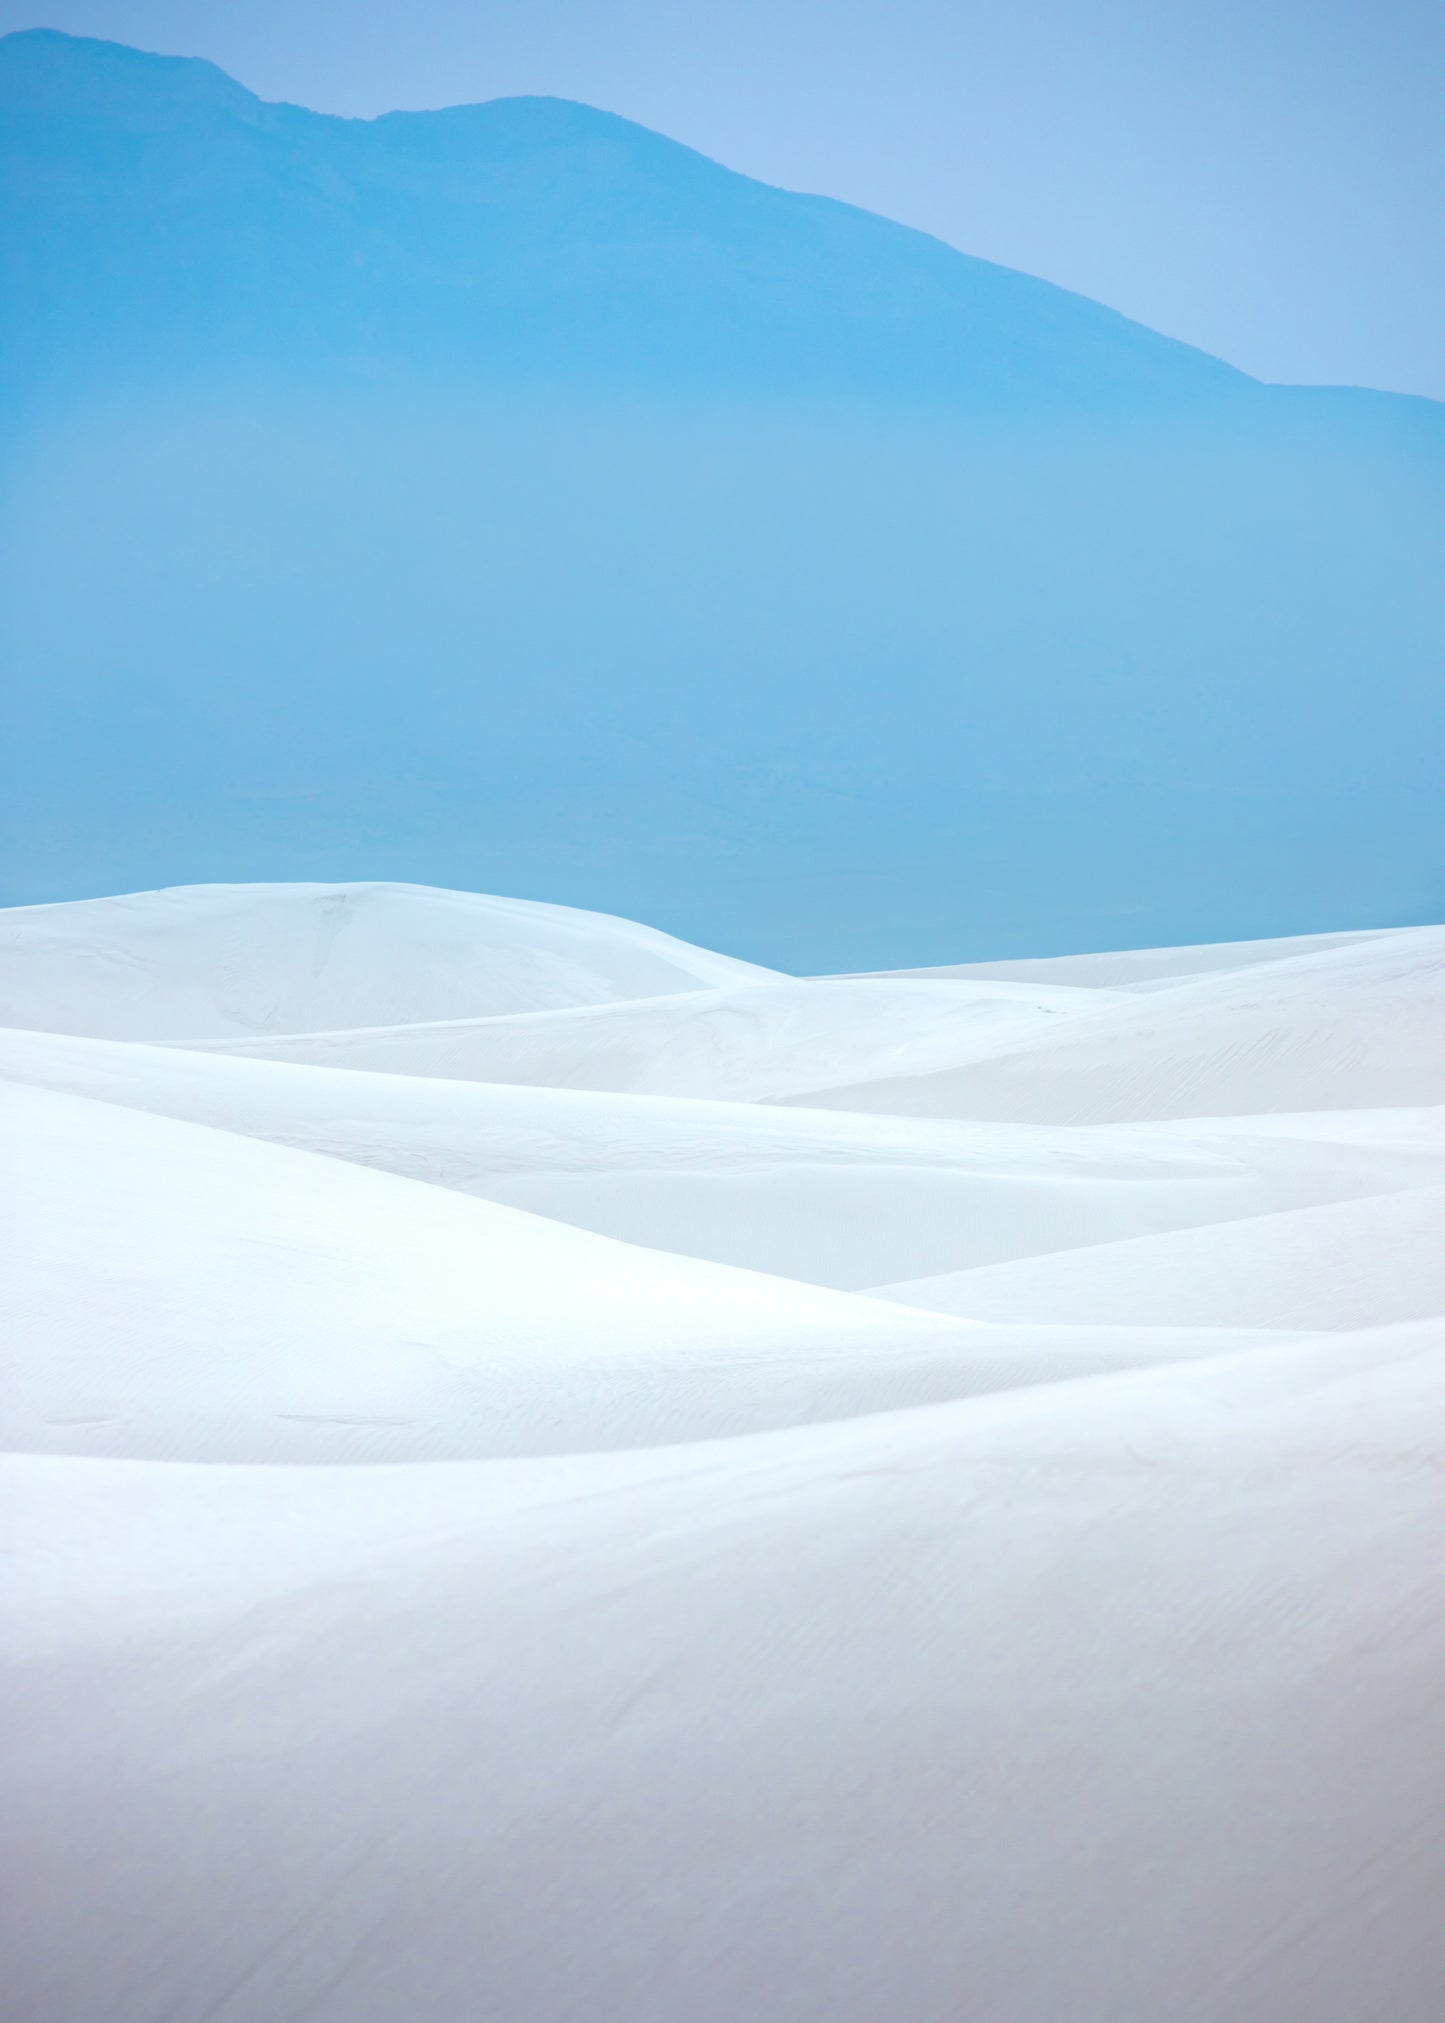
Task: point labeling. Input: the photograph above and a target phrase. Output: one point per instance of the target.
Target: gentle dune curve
(1349, 1264)
(1356, 1026)
(1115, 1702)
(181, 1293)
(199, 962)
(1147, 968)
(837, 1198)
(819, 1500)
(746, 1043)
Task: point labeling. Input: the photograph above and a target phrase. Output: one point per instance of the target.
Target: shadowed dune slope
(1357, 1025)
(1115, 1702)
(838, 1198)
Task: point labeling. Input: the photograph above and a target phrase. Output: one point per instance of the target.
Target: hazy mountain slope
(161, 217)
(508, 498)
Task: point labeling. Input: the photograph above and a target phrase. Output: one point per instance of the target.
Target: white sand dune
(1146, 968)
(1118, 1704)
(180, 1293)
(835, 1198)
(747, 1043)
(470, 1559)
(1351, 1264)
(1357, 1026)
(1356, 1022)
(205, 961)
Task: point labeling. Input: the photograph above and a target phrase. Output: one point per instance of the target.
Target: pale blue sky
(1265, 178)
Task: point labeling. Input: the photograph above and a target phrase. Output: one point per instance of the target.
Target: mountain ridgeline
(509, 497)
(171, 222)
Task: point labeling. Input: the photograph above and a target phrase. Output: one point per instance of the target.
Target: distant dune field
(552, 1474)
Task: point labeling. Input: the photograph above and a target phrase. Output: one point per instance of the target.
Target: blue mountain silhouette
(510, 496)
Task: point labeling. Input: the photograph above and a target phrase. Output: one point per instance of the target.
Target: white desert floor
(556, 1477)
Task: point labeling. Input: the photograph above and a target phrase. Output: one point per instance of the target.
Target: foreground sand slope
(1113, 1703)
(204, 961)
